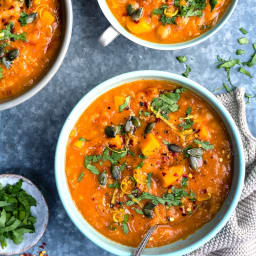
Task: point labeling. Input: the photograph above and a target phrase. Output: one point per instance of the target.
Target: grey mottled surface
(29, 132)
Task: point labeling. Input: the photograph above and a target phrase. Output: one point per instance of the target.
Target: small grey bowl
(41, 212)
(67, 22)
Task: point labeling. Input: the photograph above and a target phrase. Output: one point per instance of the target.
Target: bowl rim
(9, 103)
(92, 95)
(171, 47)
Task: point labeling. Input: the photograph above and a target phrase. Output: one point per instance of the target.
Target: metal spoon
(144, 241)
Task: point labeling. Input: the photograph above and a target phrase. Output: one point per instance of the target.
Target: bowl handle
(109, 35)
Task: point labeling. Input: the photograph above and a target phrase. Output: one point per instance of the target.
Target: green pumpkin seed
(31, 17)
(116, 172)
(6, 62)
(195, 162)
(137, 14)
(148, 210)
(149, 128)
(136, 122)
(28, 3)
(130, 9)
(111, 131)
(174, 148)
(196, 152)
(129, 127)
(103, 177)
(13, 54)
(1, 52)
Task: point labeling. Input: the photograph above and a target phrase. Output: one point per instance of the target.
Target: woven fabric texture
(238, 237)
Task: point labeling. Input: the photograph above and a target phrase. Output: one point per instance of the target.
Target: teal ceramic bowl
(119, 28)
(202, 235)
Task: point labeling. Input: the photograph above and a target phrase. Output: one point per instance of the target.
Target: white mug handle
(109, 35)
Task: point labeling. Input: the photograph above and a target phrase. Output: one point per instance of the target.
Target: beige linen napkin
(238, 237)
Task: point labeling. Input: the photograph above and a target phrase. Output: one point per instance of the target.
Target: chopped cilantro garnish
(213, 3)
(182, 59)
(240, 52)
(243, 40)
(80, 176)
(139, 211)
(114, 156)
(26, 18)
(125, 225)
(226, 87)
(166, 103)
(204, 144)
(164, 19)
(6, 34)
(187, 71)
(149, 178)
(114, 185)
(245, 72)
(188, 111)
(126, 104)
(229, 63)
(251, 62)
(243, 31)
(140, 165)
(184, 182)
(186, 124)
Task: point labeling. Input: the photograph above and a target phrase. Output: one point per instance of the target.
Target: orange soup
(29, 38)
(168, 21)
(145, 153)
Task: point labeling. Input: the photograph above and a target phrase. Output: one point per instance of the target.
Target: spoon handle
(144, 242)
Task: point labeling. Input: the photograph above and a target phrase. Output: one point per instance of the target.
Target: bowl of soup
(34, 38)
(165, 25)
(147, 148)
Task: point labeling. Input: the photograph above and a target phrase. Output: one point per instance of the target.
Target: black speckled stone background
(29, 132)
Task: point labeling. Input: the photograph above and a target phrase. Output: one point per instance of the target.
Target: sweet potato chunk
(150, 145)
(170, 176)
(117, 141)
(119, 100)
(140, 27)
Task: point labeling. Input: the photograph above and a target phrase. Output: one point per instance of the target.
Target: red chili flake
(145, 104)
(184, 214)
(158, 120)
(181, 209)
(170, 186)
(166, 203)
(163, 173)
(204, 191)
(174, 154)
(175, 174)
(185, 175)
(11, 7)
(131, 142)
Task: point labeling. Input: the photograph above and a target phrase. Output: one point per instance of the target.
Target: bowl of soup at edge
(167, 25)
(34, 38)
(125, 161)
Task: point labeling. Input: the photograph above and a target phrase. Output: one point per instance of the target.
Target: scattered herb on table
(240, 52)
(15, 213)
(182, 59)
(245, 72)
(243, 31)
(187, 71)
(243, 40)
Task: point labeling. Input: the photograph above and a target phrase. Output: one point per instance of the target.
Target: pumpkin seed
(174, 148)
(137, 14)
(130, 9)
(28, 3)
(116, 172)
(1, 52)
(195, 162)
(129, 127)
(136, 121)
(111, 131)
(7, 63)
(31, 17)
(13, 54)
(196, 152)
(149, 128)
(103, 178)
(148, 210)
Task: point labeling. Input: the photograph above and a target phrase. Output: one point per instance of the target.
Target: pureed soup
(145, 153)
(168, 21)
(29, 38)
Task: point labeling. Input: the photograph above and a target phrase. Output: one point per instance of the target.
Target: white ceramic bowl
(202, 235)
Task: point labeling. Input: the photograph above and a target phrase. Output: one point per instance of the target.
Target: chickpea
(163, 31)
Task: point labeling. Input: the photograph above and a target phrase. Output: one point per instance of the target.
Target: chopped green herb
(226, 87)
(163, 18)
(249, 97)
(243, 40)
(149, 178)
(83, 139)
(186, 155)
(166, 103)
(182, 59)
(184, 182)
(115, 156)
(245, 72)
(213, 3)
(125, 225)
(1, 73)
(229, 63)
(139, 211)
(93, 169)
(194, 8)
(187, 71)
(254, 46)
(243, 31)
(252, 62)
(204, 144)
(15, 213)
(6, 34)
(140, 165)
(126, 104)
(188, 111)
(114, 185)
(146, 114)
(81, 176)
(186, 124)
(240, 52)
